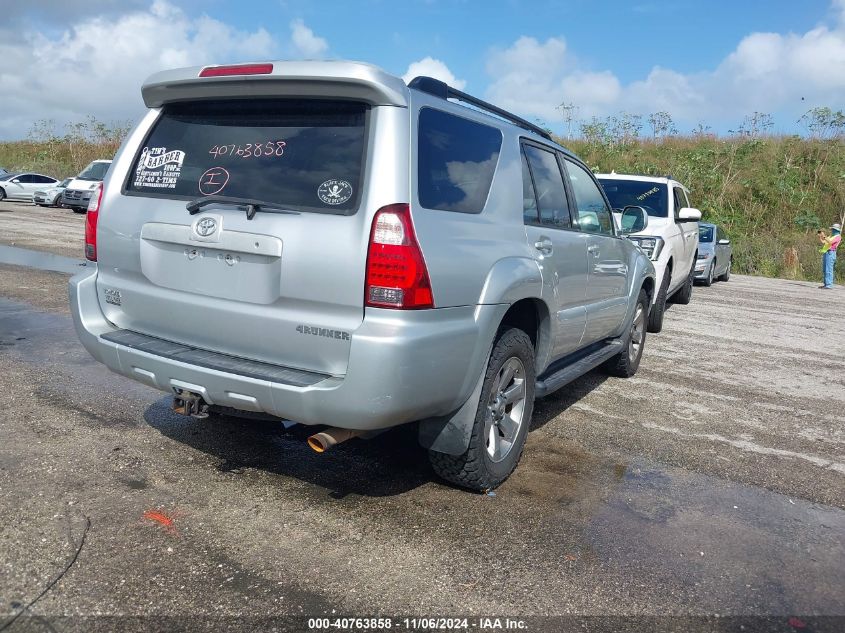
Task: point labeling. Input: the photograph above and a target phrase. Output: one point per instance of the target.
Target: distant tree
(595, 131)
(754, 125)
(570, 113)
(824, 122)
(662, 124)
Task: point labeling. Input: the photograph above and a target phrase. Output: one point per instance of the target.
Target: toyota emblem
(206, 227)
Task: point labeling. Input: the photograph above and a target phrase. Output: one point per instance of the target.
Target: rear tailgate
(283, 287)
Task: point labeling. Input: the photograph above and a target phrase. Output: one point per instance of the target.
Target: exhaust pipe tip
(324, 440)
(320, 442)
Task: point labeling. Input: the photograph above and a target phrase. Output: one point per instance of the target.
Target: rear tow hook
(189, 403)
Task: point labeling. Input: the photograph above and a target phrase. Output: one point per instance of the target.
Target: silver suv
(320, 242)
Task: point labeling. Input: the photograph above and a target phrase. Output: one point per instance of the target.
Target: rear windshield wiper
(252, 205)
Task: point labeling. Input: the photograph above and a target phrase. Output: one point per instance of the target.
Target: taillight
(396, 272)
(241, 69)
(91, 223)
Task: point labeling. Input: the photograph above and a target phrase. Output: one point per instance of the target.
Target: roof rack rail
(440, 89)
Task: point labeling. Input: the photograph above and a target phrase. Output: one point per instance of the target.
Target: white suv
(671, 239)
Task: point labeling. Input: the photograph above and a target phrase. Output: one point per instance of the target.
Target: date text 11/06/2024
(411, 624)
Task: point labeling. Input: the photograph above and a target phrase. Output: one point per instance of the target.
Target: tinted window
(705, 233)
(593, 214)
(27, 178)
(456, 161)
(529, 198)
(94, 171)
(306, 155)
(43, 179)
(680, 200)
(548, 187)
(648, 195)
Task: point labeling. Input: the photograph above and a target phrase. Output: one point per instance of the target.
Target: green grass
(771, 193)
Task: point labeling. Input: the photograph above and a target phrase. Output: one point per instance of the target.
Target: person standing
(828, 250)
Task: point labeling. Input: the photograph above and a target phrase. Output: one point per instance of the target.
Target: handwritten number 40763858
(250, 150)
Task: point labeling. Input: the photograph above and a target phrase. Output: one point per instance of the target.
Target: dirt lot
(711, 483)
(50, 229)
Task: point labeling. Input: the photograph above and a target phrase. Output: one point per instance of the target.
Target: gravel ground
(713, 482)
(59, 231)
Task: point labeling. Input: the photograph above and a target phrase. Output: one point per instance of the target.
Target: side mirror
(16, 180)
(688, 214)
(724, 242)
(634, 219)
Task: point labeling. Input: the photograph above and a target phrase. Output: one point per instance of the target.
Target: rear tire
(2, 194)
(501, 419)
(658, 309)
(684, 294)
(725, 276)
(626, 363)
(78, 210)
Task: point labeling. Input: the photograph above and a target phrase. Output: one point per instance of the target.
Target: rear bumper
(403, 366)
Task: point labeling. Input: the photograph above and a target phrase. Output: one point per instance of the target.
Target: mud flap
(450, 433)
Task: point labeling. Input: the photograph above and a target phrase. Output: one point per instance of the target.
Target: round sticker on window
(334, 192)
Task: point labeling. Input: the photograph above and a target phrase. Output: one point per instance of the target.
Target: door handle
(544, 245)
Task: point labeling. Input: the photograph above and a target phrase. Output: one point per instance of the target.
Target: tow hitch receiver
(189, 403)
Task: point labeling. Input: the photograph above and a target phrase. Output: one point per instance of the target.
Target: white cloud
(533, 78)
(305, 42)
(767, 72)
(430, 67)
(98, 64)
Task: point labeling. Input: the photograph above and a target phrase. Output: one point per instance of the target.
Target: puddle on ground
(49, 340)
(40, 260)
(728, 547)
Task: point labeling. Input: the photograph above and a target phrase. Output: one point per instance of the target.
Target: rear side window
(302, 154)
(456, 161)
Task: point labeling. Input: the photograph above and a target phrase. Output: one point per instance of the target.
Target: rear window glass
(456, 162)
(302, 154)
(650, 196)
(705, 233)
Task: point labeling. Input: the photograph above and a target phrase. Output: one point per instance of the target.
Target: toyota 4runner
(320, 242)
(671, 241)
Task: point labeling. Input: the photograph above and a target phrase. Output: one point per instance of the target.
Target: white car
(671, 239)
(22, 186)
(51, 196)
(78, 192)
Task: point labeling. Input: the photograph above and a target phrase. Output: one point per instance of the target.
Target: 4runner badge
(321, 331)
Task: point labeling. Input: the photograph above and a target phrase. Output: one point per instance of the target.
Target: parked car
(715, 255)
(51, 196)
(77, 195)
(411, 259)
(22, 186)
(671, 241)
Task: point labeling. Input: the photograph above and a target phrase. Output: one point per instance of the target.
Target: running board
(553, 379)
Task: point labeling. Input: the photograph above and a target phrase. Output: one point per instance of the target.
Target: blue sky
(712, 62)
